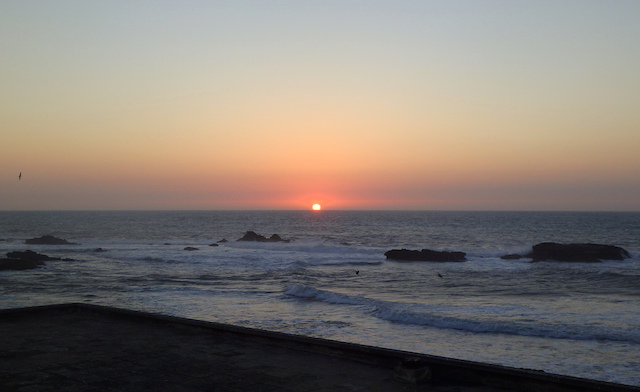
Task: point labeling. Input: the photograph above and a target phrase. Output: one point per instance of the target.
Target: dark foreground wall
(174, 353)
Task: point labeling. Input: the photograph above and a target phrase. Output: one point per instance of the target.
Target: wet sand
(78, 347)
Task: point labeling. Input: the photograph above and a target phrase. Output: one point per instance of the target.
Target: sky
(352, 104)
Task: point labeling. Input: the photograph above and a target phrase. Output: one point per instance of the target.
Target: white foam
(512, 321)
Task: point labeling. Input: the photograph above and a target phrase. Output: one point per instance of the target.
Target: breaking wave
(435, 316)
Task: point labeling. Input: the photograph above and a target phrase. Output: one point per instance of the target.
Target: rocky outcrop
(18, 265)
(253, 236)
(190, 248)
(551, 251)
(28, 259)
(29, 255)
(425, 255)
(48, 240)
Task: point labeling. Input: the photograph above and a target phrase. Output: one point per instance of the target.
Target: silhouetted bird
(357, 272)
(439, 274)
(20, 176)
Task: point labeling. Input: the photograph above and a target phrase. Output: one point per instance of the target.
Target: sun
(316, 207)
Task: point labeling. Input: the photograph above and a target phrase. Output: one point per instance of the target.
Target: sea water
(332, 280)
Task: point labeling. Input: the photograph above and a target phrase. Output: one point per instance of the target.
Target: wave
(336, 262)
(556, 331)
(438, 316)
(302, 291)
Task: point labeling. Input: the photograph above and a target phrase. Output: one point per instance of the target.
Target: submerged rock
(253, 236)
(191, 248)
(19, 265)
(48, 240)
(513, 256)
(425, 255)
(24, 260)
(551, 251)
(29, 255)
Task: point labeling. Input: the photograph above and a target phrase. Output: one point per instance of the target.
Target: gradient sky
(475, 105)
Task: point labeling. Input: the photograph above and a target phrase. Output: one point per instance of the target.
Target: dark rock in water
(48, 240)
(190, 248)
(253, 236)
(213, 244)
(99, 250)
(20, 261)
(18, 264)
(425, 255)
(223, 241)
(275, 237)
(29, 255)
(551, 251)
(513, 256)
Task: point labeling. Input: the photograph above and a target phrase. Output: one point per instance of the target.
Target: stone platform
(80, 347)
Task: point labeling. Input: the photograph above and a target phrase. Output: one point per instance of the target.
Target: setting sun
(316, 207)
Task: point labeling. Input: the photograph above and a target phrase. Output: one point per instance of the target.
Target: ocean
(332, 280)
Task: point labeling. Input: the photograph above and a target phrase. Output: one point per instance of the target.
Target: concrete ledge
(412, 369)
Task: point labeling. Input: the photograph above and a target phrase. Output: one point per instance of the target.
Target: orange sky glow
(249, 105)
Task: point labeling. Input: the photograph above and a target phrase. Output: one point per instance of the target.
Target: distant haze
(474, 105)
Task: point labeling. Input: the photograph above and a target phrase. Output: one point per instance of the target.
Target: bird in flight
(20, 176)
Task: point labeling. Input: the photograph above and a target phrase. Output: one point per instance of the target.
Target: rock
(425, 255)
(18, 264)
(513, 256)
(223, 241)
(253, 236)
(275, 237)
(213, 244)
(190, 248)
(20, 261)
(577, 252)
(29, 255)
(48, 240)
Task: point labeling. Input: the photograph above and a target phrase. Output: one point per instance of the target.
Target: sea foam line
(401, 313)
